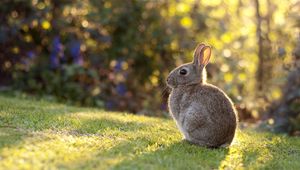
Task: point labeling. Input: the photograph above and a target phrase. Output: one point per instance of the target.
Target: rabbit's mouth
(171, 82)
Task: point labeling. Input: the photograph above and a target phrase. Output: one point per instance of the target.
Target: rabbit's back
(220, 111)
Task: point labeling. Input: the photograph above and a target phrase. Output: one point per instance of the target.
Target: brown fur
(204, 113)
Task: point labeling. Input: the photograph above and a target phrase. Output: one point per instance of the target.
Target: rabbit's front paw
(193, 122)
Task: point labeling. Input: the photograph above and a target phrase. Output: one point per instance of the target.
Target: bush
(100, 53)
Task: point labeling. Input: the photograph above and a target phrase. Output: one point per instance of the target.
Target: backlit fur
(204, 114)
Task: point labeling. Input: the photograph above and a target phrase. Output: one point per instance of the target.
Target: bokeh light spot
(46, 25)
(242, 76)
(228, 77)
(124, 65)
(15, 50)
(154, 80)
(226, 53)
(85, 23)
(224, 68)
(186, 22)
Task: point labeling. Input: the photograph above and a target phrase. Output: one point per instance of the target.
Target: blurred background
(116, 54)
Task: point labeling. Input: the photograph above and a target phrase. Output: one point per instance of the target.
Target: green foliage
(131, 46)
(71, 83)
(41, 134)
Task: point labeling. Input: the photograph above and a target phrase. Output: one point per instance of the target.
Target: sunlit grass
(40, 134)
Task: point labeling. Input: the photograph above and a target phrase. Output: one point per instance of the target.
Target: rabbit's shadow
(179, 155)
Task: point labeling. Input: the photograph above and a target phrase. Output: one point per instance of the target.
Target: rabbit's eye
(183, 71)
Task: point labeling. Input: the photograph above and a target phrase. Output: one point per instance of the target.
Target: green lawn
(46, 135)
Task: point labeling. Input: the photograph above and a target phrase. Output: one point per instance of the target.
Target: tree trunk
(259, 73)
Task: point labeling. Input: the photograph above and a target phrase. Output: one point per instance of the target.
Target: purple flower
(56, 52)
(121, 89)
(118, 66)
(57, 45)
(54, 61)
(75, 52)
(30, 54)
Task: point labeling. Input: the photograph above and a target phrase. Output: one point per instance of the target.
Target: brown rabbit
(204, 113)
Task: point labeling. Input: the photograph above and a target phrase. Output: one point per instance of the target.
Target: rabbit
(204, 114)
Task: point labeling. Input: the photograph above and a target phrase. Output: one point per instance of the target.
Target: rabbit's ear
(204, 57)
(197, 53)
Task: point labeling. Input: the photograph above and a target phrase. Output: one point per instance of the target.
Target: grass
(46, 135)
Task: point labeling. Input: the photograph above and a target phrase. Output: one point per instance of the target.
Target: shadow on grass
(10, 136)
(258, 150)
(99, 125)
(268, 152)
(18, 123)
(142, 153)
(274, 152)
(180, 155)
(19, 118)
(35, 115)
(13, 133)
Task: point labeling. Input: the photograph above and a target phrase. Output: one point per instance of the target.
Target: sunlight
(212, 2)
(233, 158)
(183, 8)
(89, 84)
(186, 22)
(66, 150)
(242, 152)
(56, 136)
